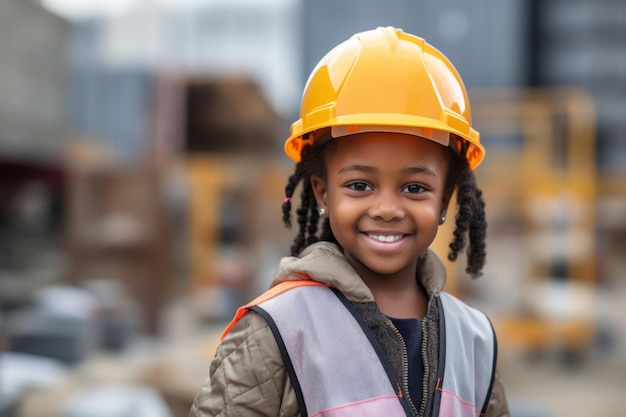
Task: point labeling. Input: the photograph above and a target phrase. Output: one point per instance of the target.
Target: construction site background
(142, 175)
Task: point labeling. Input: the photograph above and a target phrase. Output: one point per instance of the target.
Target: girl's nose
(386, 208)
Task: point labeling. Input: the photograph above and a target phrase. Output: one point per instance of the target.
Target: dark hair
(470, 226)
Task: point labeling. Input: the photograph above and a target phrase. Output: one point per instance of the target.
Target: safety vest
(337, 367)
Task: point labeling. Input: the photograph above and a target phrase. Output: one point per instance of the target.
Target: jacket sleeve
(498, 405)
(247, 376)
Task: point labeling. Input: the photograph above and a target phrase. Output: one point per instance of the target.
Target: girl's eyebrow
(410, 170)
(421, 170)
(360, 168)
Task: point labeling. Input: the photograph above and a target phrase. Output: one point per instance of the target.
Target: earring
(322, 211)
(442, 220)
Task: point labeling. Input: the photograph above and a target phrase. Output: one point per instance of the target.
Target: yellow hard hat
(385, 80)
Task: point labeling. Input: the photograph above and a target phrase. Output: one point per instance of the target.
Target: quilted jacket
(247, 377)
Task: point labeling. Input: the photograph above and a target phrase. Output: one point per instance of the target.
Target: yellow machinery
(217, 262)
(235, 226)
(539, 182)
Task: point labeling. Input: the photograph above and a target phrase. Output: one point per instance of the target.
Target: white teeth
(386, 239)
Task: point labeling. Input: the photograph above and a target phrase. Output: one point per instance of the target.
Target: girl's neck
(408, 303)
(399, 296)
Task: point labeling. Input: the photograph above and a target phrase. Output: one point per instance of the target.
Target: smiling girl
(356, 322)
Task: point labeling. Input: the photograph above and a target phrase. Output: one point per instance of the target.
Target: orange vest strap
(271, 293)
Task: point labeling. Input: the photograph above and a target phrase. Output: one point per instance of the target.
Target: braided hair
(470, 222)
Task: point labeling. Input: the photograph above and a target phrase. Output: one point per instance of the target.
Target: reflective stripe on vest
(339, 373)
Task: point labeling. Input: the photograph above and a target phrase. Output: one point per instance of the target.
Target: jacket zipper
(405, 369)
(426, 368)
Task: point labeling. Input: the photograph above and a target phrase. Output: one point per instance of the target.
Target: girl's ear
(320, 190)
(445, 201)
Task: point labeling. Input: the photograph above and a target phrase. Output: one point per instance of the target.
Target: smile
(385, 238)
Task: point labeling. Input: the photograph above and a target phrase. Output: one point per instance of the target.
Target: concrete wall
(32, 79)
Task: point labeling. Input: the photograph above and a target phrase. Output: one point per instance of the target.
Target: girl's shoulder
(248, 352)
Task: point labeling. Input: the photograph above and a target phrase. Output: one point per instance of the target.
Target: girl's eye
(413, 189)
(359, 186)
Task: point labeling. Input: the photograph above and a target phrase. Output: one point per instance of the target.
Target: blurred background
(141, 178)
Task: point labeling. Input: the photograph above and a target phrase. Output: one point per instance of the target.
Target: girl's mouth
(384, 238)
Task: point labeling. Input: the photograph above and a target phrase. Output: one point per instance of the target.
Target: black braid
(290, 188)
(307, 213)
(476, 252)
(303, 219)
(314, 217)
(470, 218)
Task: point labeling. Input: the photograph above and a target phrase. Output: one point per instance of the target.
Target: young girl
(356, 322)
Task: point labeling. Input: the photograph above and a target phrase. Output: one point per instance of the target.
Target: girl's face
(384, 194)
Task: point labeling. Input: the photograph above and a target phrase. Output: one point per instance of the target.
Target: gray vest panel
(469, 360)
(338, 370)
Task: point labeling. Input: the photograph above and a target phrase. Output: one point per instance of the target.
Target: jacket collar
(324, 262)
